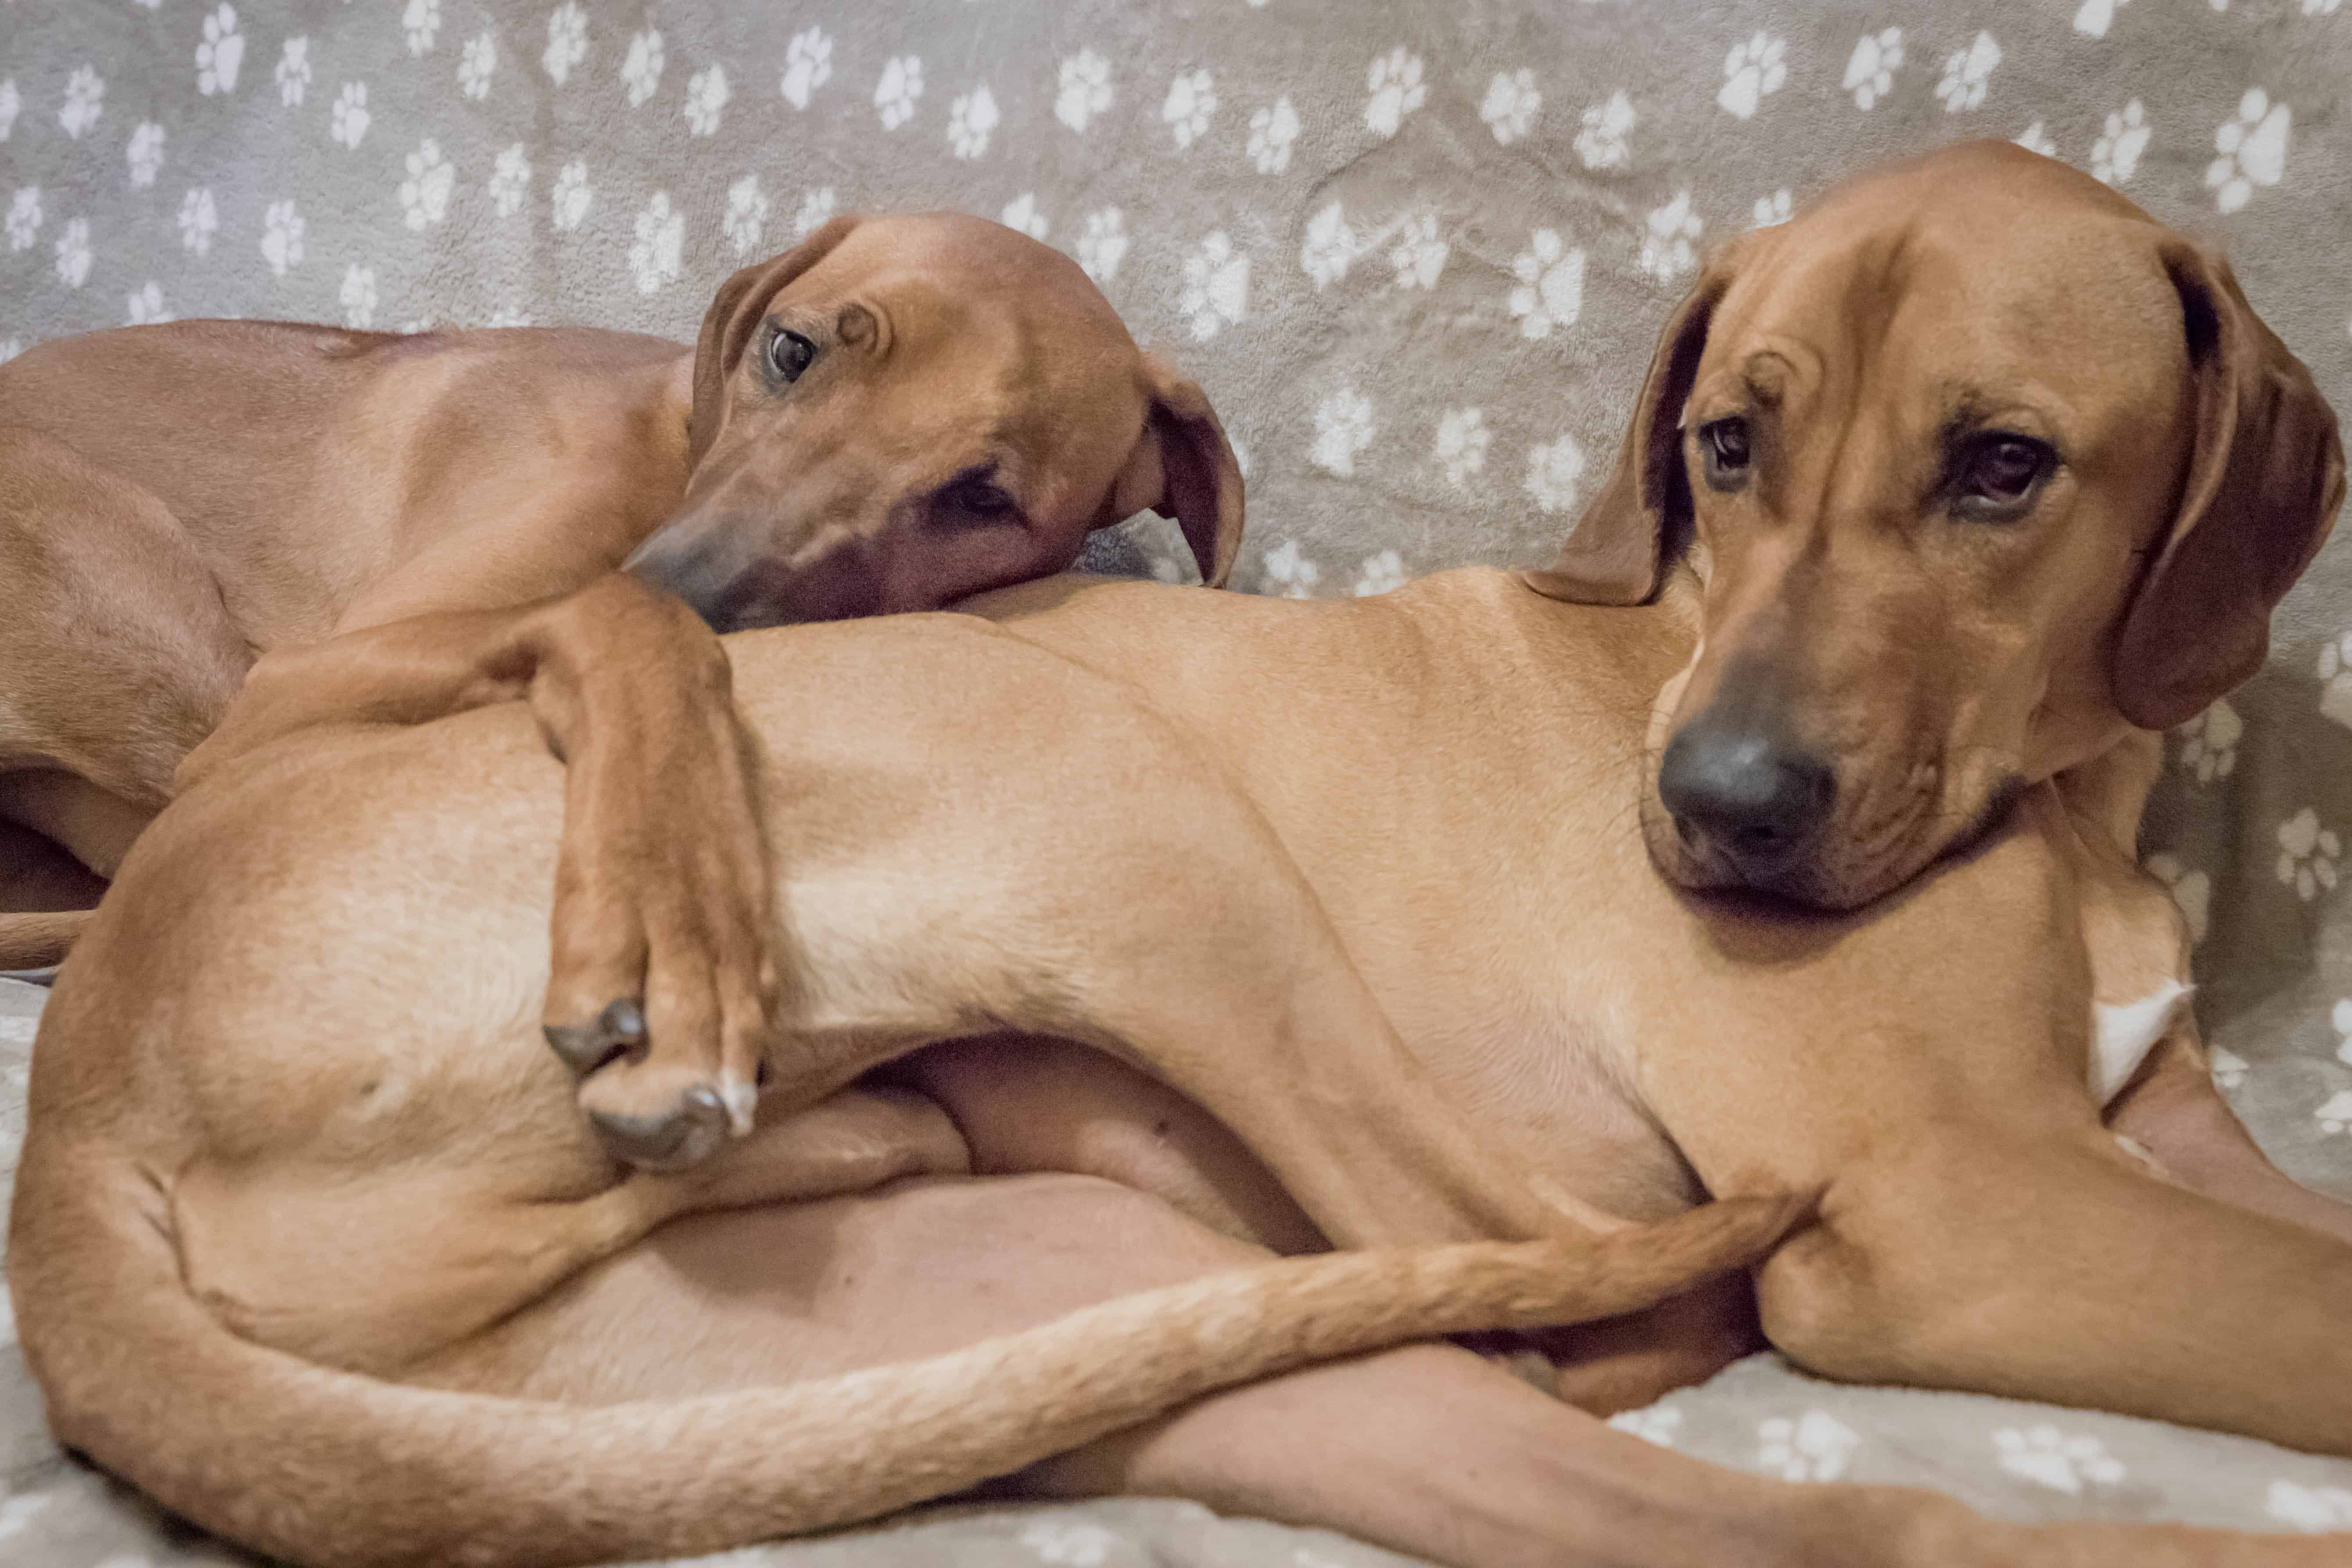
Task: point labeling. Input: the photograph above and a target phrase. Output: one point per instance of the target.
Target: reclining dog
(1935, 503)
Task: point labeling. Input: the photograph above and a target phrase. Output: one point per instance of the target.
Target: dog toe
(618, 1030)
(686, 1133)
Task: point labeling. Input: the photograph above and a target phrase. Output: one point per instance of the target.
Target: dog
(1660, 906)
(211, 528)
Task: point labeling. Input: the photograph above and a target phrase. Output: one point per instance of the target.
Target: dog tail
(325, 1466)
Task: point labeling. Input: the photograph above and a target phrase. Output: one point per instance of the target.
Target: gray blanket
(1417, 251)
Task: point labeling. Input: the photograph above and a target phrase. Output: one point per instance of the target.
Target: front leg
(663, 988)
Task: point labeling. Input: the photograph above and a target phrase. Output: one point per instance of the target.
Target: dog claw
(683, 1136)
(584, 1047)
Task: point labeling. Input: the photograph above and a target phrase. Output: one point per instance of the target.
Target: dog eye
(789, 353)
(1999, 472)
(977, 500)
(1723, 446)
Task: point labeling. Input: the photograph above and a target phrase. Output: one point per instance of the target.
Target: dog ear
(1183, 467)
(2260, 494)
(1640, 523)
(727, 326)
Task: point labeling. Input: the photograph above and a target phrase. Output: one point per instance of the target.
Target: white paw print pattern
(1397, 90)
(1660, 1425)
(293, 73)
(422, 21)
(281, 237)
(12, 103)
(2093, 18)
(220, 52)
(1870, 70)
(1551, 289)
(895, 92)
(569, 199)
(73, 254)
(1966, 73)
(706, 99)
(2311, 1510)
(2252, 150)
(1216, 286)
(477, 63)
(508, 316)
(747, 215)
(641, 69)
(347, 122)
(2124, 138)
(1102, 244)
(1669, 238)
(145, 154)
(1290, 572)
(971, 120)
(1511, 105)
(1816, 1446)
(2192, 892)
(567, 41)
(815, 210)
(9, 349)
(1068, 1543)
(1555, 475)
(1774, 208)
(1343, 428)
(1021, 213)
(1330, 247)
(85, 101)
(656, 255)
(2321, 7)
(424, 195)
(358, 297)
(2334, 1114)
(2035, 139)
(1753, 71)
(2228, 1067)
(1084, 90)
(808, 65)
(2339, 1018)
(199, 220)
(2047, 1457)
(1380, 574)
(23, 217)
(2209, 742)
(1272, 132)
(510, 180)
(1605, 142)
(1419, 254)
(2307, 855)
(1461, 445)
(1191, 100)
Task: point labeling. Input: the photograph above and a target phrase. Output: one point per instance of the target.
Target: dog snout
(690, 573)
(1756, 799)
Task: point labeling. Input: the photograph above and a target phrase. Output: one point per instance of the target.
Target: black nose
(1755, 798)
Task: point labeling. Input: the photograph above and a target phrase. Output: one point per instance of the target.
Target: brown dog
(309, 1244)
(896, 413)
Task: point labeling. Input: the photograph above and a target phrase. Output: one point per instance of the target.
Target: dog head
(1973, 465)
(902, 411)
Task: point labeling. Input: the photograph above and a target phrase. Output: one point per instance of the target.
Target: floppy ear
(2262, 487)
(727, 326)
(1183, 467)
(1640, 523)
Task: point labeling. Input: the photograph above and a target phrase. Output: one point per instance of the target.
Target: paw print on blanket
(220, 53)
(1461, 445)
(1965, 72)
(293, 73)
(706, 99)
(1555, 475)
(747, 215)
(2339, 1018)
(1511, 105)
(569, 199)
(358, 297)
(567, 41)
(23, 217)
(1813, 1447)
(1290, 572)
(1191, 100)
(2045, 1456)
(2192, 892)
(2228, 1067)
(2307, 855)
(1605, 142)
(347, 122)
(1752, 72)
(816, 210)
(2335, 1113)
(1420, 254)
(1397, 90)
(641, 71)
(2252, 150)
(85, 101)
(895, 92)
(1330, 247)
(2124, 138)
(1380, 574)
(1870, 70)
(971, 120)
(1343, 428)
(2209, 742)
(1659, 1425)
(144, 306)
(281, 237)
(1102, 244)
(656, 256)
(1669, 239)
(1085, 91)
(2312, 1509)
(2093, 17)
(510, 180)
(1068, 1543)
(1773, 209)
(2034, 139)
(808, 65)
(1551, 289)
(422, 21)
(1272, 131)
(199, 220)
(1216, 286)
(12, 103)
(1021, 213)
(145, 154)
(477, 63)
(424, 195)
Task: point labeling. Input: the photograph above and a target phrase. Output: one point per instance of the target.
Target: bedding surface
(1417, 251)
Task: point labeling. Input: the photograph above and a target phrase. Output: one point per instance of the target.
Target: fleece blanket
(1417, 250)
